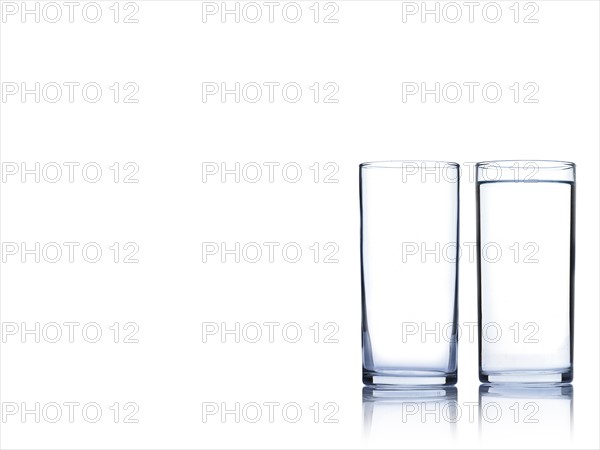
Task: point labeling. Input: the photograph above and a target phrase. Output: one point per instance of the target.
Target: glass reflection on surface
(529, 413)
(409, 414)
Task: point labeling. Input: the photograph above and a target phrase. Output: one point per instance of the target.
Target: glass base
(527, 376)
(408, 378)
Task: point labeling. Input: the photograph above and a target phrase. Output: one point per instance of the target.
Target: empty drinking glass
(409, 238)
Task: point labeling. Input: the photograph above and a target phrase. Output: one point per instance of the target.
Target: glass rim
(400, 164)
(545, 164)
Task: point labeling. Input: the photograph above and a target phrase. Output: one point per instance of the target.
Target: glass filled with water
(526, 260)
(409, 238)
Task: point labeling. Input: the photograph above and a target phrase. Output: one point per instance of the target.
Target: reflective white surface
(503, 416)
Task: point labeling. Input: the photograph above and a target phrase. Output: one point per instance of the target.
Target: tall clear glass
(526, 260)
(409, 250)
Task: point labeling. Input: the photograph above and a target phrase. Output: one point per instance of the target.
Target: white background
(170, 132)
